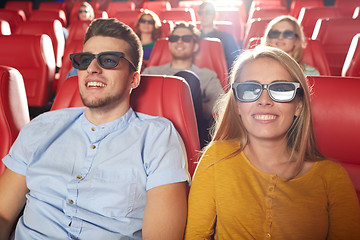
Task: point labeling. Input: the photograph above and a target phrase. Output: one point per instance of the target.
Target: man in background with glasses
(99, 172)
(183, 45)
(207, 17)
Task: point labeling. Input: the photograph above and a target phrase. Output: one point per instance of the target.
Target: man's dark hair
(182, 24)
(113, 28)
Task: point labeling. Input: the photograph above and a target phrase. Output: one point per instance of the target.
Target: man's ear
(135, 80)
(196, 47)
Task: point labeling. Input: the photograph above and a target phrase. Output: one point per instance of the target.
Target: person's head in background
(285, 33)
(148, 23)
(207, 14)
(86, 12)
(184, 41)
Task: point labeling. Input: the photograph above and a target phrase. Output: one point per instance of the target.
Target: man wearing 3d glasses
(183, 44)
(99, 172)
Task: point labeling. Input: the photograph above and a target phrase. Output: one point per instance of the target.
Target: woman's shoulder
(310, 70)
(220, 149)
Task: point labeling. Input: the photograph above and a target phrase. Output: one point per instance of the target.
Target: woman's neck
(146, 38)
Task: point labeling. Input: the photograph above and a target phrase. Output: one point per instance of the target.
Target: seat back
(128, 17)
(14, 111)
(346, 7)
(33, 56)
(351, 66)
(46, 15)
(178, 14)
(114, 7)
(156, 95)
(26, 6)
(336, 121)
(13, 17)
(266, 12)
(335, 35)
(77, 31)
(4, 28)
(255, 28)
(52, 28)
(157, 6)
(296, 6)
(314, 55)
(309, 15)
(211, 55)
(236, 16)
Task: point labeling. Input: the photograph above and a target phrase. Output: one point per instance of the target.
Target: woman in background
(284, 32)
(262, 176)
(148, 28)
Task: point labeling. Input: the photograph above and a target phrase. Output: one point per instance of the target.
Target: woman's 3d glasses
(288, 34)
(106, 60)
(184, 38)
(151, 22)
(278, 91)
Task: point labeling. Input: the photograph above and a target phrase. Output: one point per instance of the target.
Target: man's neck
(181, 63)
(207, 29)
(102, 115)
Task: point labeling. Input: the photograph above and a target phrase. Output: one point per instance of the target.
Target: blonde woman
(262, 177)
(285, 33)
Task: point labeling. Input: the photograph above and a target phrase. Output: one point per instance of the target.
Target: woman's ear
(299, 106)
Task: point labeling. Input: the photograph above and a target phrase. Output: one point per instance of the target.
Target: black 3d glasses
(106, 60)
(288, 34)
(184, 38)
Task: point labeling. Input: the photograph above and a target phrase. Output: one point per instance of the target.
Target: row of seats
(337, 128)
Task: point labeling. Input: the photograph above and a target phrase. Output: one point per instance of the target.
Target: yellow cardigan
(234, 200)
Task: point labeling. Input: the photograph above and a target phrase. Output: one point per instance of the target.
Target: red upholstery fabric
(157, 6)
(178, 14)
(53, 28)
(236, 16)
(267, 12)
(346, 7)
(336, 119)
(4, 28)
(158, 96)
(166, 27)
(74, 46)
(335, 35)
(77, 31)
(211, 55)
(128, 17)
(33, 56)
(45, 15)
(14, 111)
(314, 55)
(255, 28)
(13, 17)
(296, 6)
(309, 15)
(52, 6)
(26, 6)
(114, 7)
(352, 61)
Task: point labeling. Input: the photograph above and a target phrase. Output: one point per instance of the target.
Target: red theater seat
(14, 111)
(335, 35)
(46, 15)
(77, 31)
(296, 6)
(114, 7)
(267, 12)
(351, 66)
(157, 6)
(156, 95)
(34, 57)
(128, 17)
(13, 17)
(178, 14)
(52, 28)
(4, 28)
(346, 7)
(255, 28)
(26, 6)
(211, 55)
(309, 15)
(336, 119)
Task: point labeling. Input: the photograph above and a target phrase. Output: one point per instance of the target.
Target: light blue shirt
(90, 182)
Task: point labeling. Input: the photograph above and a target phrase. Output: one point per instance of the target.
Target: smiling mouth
(95, 85)
(264, 117)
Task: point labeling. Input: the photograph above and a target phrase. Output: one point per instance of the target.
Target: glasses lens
(282, 92)
(289, 34)
(248, 92)
(82, 60)
(142, 20)
(174, 38)
(108, 60)
(274, 34)
(186, 38)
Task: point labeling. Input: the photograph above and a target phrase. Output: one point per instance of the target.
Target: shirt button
(70, 201)
(271, 189)
(274, 177)
(93, 146)
(79, 177)
(268, 235)
(93, 129)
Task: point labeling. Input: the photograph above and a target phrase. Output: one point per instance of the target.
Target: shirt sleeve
(344, 212)
(165, 157)
(202, 205)
(211, 91)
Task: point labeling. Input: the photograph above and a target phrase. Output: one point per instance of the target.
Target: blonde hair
(299, 45)
(156, 33)
(89, 8)
(300, 136)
